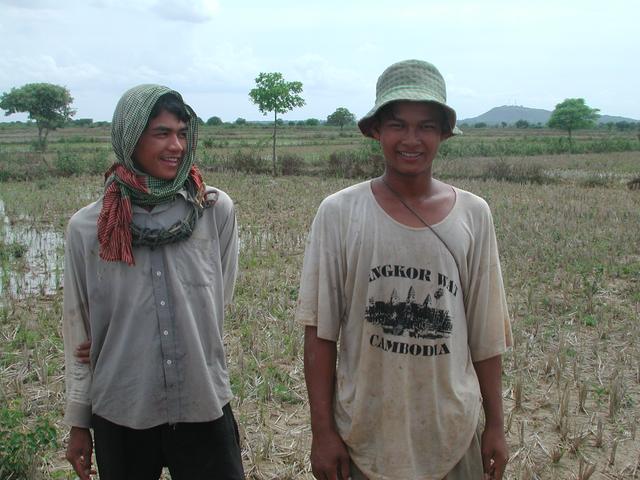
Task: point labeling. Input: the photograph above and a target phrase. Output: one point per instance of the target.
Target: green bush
(366, 162)
(68, 164)
(22, 445)
(291, 164)
(354, 164)
(99, 163)
(524, 173)
(499, 170)
(246, 161)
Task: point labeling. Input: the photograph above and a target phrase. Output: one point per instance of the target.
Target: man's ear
(375, 130)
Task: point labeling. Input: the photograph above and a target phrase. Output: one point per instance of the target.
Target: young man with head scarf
(149, 268)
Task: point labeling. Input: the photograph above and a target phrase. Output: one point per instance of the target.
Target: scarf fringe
(114, 232)
(114, 221)
(198, 182)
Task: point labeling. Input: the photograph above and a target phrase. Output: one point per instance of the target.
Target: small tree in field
(273, 94)
(573, 114)
(47, 104)
(214, 121)
(341, 117)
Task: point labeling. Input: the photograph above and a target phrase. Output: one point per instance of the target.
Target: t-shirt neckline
(372, 197)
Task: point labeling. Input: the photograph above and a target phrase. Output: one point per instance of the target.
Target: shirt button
(162, 302)
(169, 362)
(165, 333)
(158, 273)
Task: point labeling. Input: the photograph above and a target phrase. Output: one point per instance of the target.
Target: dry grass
(571, 262)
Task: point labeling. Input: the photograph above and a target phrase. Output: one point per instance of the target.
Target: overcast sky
(491, 53)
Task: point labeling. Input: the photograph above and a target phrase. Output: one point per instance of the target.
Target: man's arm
(329, 456)
(228, 238)
(494, 449)
(78, 377)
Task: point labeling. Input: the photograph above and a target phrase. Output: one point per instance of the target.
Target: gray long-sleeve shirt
(157, 353)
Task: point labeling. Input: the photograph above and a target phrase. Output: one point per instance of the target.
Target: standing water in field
(31, 258)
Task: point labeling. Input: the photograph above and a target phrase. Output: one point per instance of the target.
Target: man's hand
(329, 457)
(79, 451)
(83, 352)
(495, 453)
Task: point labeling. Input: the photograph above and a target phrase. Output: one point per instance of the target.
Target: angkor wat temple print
(418, 320)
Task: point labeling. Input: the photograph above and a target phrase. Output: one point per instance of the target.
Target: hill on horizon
(512, 113)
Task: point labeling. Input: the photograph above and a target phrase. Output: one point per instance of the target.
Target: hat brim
(366, 123)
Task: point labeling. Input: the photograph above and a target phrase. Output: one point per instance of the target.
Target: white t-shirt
(409, 326)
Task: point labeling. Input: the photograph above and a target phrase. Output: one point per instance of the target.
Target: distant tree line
(49, 106)
(620, 126)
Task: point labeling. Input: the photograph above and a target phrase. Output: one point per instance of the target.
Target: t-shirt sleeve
(489, 327)
(321, 300)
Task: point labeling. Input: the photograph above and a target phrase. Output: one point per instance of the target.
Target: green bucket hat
(410, 80)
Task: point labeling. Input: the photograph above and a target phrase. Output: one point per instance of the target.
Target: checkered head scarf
(125, 184)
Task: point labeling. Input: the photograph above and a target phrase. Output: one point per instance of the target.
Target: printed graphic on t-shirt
(408, 316)
(418, 320)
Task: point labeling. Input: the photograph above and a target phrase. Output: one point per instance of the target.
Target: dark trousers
(191, 451)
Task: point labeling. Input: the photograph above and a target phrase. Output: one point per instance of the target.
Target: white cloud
(196, 11)
(45, 68)
(28, 4)
(318, 73)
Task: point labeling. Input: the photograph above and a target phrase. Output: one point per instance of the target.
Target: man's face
(410, 136)
(162, 146)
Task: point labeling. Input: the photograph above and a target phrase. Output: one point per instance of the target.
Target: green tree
(47, 104)
(240, 121)
(573, 114)
(82, 122)
(274, 94)
(214, 121)
(625, 126)
(522, 124)
(341, 117)
(312, 122)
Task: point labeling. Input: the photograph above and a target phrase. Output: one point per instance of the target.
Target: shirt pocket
(198, 261)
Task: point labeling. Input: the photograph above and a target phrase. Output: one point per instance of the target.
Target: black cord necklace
(423, 221)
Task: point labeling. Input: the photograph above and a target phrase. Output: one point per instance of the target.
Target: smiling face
(162, 146)
(409, 134)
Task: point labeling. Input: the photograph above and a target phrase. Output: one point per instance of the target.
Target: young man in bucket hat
(403, 272)
(149, 268)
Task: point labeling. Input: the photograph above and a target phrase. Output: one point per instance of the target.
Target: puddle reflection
(39, 270)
